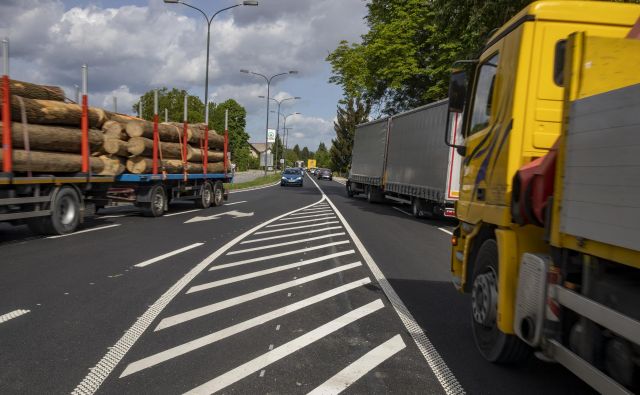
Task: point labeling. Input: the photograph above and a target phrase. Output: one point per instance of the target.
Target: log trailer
(57, 203)
(548, 241)
(403, 158)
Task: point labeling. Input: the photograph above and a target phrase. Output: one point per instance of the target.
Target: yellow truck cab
(529, 268)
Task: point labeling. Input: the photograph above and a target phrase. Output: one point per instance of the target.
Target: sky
(133, 46)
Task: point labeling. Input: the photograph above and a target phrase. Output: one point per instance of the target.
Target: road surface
(282, 290)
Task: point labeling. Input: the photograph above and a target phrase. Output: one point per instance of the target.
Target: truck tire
(349, 190)
(218, 194)
(416, 208)
(494, 345)
(370, 195)
(157, 204)
(206, 196)
(65, 213)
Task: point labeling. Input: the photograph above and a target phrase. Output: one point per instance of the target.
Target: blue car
(292, 177)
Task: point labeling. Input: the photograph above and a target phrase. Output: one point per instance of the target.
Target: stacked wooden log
(46, 138)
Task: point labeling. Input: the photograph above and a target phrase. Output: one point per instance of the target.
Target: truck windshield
(484, 90)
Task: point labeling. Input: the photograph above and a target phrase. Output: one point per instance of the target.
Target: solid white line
(254, 365)
(300, 222)
(285, 243)
(92, 381)
(363, 365)
(212, 308)
(311, 210)
(111, 216)
(325, 210)
(306, 232)
(183, 212)
(264, 258)
(255, 189)
(306, 216)
(167, 255)
(402, 211)
(446, 231)
(13, 314)
(211, 338)
(232, 203)
(84, 231)
(296, 227)
(440, 369)
(264, 272)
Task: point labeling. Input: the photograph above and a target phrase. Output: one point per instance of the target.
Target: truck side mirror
(457, 91)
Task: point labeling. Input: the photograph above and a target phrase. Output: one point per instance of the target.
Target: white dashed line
(12, 314)
(446, 231)
(306, 232)
(297, 227)
(300, 222)
(183, 212)
(306, 216)
(84, 231)
(167, 255)
(233, 203)
(286, 243)
(402, 211)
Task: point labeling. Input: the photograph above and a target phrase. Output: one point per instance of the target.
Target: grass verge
(269, 179)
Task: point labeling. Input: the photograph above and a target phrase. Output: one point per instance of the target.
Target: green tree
(352, 113)
(304, 154)
(322, 156)
(296, 151)
(238, 137)
(173, 100)
(278, 147)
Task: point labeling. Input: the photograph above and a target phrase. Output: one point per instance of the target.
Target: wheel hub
(67, 211)
(484, 298)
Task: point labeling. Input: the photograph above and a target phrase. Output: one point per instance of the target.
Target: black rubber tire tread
(415, 210)
(349, 191)
(148, 209)
(513, 350)
(50, 224)
(217, 186)
(200, 201)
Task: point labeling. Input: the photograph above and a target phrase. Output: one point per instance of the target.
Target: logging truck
(54, 173)
(548, 241)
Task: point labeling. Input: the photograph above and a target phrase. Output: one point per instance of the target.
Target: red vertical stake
(6, 122)
(156, 140)
(185, 139)
(84, 124)
(205, 157)
(226, 142)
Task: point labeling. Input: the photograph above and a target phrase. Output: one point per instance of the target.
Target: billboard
(311, 163)
(271, 135)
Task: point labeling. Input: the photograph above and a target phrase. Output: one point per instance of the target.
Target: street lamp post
(285, 130)
(278, 125)
(266, 130)
(209, 20)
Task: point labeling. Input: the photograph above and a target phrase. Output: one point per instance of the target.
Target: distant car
(291, 176)
(312, 170)
(324, 174)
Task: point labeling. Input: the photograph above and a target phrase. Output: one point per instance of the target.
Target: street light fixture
(266, 129)
(209, 20)
(278, 125)
(286, 138)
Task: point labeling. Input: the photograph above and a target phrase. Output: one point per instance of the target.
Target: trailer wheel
(370, 197)
(157, 204)
(206, 196)
(494, 345)
(65, 213)
(218, 194)
(350, 192)
(416, 208)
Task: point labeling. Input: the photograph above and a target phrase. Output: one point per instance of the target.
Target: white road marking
(278, 327)
(319, 211)
(402, 211)
(84, 231)
(92, 381)
(167, 255)
(254, 189)
(232, 203)
(12, 314)
(296, 227)
(264, 272)
(316, 209)
(264, 258)
(306, 232)
(183, 212)
(270, 347)
(363, 365)
(261, 373)
(112, 216)
(254, 365)
(212, 308)
(446, 231)
(300, 222)
(440, 369)
(285, 243)
(306, 216)
(232, 213)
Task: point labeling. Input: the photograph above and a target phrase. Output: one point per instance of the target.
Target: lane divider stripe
(285, 243)
(167, 255)
(300, 222)
(296, 227)
(306, 232)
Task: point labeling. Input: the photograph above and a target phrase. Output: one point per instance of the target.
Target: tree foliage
(238, 137)
(322, 156)
(353, 112)
(173, 101)
(404, 60)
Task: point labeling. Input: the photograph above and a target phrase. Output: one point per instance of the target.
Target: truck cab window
(558, 62)
(483, 96)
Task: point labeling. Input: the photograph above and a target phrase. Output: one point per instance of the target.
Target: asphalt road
(282, 290)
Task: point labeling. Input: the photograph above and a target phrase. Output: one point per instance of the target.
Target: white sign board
(271, 135)
(269, 159)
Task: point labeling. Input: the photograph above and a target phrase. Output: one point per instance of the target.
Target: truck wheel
(494, 345)
(155, 208)
(218, 194)
(65, 213)
(416, 208)
(349, 190)
(206, 196)
(370, 197)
